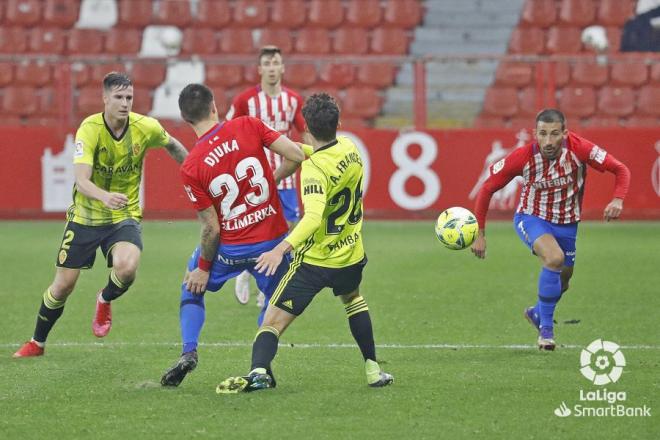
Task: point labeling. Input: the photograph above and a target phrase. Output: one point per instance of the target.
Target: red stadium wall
(410, 175)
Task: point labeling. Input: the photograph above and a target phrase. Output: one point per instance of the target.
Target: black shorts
(303, 281)
(79, 244)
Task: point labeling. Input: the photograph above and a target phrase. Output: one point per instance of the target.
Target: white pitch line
(316, 345)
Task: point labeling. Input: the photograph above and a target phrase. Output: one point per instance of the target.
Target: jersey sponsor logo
(312, 189)
(214, 156)
(250, 219)
(191, 196)
(79, 149)
(597, 154)
(498, 166)
(349, 240)
(554, 183)
(124, 169)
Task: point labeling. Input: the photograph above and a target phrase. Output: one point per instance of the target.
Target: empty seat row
(575, 101)
(579, 13)
(206, 41)
(219, 13)
(633, 72)
(596, 120)
(556, 40)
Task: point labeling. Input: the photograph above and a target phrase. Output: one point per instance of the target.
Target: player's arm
(197, 280)
(501, 173)
(292, 156)
(176, 150)
(314, 203)
(84, 184)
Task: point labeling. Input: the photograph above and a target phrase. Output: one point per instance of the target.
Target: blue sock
(549, 294)
(191, 316)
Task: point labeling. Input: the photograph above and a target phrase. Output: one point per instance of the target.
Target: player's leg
(192, 315)
(268, 284)
(122, 248)
(347, 287)
(77, 251)
(549, 286)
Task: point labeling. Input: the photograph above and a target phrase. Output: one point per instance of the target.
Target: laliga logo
(602, 362)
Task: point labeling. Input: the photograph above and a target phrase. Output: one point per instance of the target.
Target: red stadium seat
(589, 73)
(2, 12)
(134, 13)
(236, 41)
(614, 12)
(528, 103)
(539, 13)
(173, 12)
(564, 40)
(642, 121)
(616, 101)
(352, 122)
(6, 73)
(300, 75)
(49, 104)
(223, 75)
(85, 41)
(362, 102)
(33, 73)
(88, 101)
(338, 75)
(629, 72)
(518, 123)
(560, 70)
(199, 41)
(488, 121)
(648, 99)
(276, 37)
(47, 40)
(578, 13)
(123, 41)
(352, 41)
(364, 13)
(402, 13)
(250, 13)
(62, 13)
(389, 41)
(288, 14)
(614, 38)
(215, 14)
(654, 77)
(602, 121)
(12, 39)
(513, 74)
(314, 41)
(79, 74)
(20, 101)
(142, 100)
(325, 13)
(527, 41)
(23, 12)
(501, 102)
(577, 101)
(378, 75)
(251, 76)
(148, 75)
(222, 101)
(98, 71)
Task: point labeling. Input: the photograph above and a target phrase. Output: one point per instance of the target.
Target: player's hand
(269, 262)
(115, 200)
(196, 281)
(479, 246)
(613, 210)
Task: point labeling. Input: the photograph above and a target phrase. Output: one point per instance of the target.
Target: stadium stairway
(455, 88)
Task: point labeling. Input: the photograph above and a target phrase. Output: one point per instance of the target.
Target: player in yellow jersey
(108, 159)
(328, 249)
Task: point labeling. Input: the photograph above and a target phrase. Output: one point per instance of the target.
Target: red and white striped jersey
(281, 113)
(552, 189)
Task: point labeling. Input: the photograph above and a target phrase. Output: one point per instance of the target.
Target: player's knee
(554, 260)
(61, 289)
(347, 298)
(126, 267)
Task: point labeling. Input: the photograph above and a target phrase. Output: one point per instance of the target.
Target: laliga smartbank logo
(602, 362)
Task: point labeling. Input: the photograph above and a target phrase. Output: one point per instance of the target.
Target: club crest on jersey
(62, 256)
(136, 149)
(79, 149)
(497, 167)
(597, 154)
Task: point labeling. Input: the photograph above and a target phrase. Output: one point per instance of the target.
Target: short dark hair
(268, 51)
(195, 101)
(321, 114)
(116, 79)
(551, 115)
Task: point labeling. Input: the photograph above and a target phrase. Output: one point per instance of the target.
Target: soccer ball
(456, 228)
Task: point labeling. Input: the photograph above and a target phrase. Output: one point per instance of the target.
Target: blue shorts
(289, 201)
(530, 227)
(232, 260)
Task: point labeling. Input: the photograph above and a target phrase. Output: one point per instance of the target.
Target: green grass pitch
(448, 326)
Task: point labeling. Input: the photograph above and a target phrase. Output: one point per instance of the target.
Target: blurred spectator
(642, 33)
